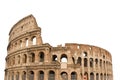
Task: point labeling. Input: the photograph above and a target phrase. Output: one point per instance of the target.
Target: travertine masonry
(29, 58)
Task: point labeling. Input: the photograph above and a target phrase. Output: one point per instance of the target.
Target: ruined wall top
(27, 24)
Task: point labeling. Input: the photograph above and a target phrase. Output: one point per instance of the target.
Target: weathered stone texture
(29, 58)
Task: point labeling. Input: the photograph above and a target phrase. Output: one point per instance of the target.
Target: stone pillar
(27, 75)
(94, 76)
(29, 42)
(38, 39)
(46, 75)
(24, 43)
(47, 55)
(35, 75)
(36, 56)
(69, 76)
(20, 75)
(82, 64)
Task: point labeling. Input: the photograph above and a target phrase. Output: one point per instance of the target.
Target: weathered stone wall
(30, 59)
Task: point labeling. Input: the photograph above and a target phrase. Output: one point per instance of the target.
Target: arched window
(32, 56)
(20, 43)
(24, 58)
(64, 76)
(13, 60)
(79, 60)
(100, 63)
(24, 75)
(104, 64)
(85, 77)
(18, 59)
(34, 40)
(85, 54)
(17, 76)
(63, 58)
(85, 62)
(96, 62)
(31, 75)
(51, 75)
(54, 58)
(91, 76)
(73, 76)
(26, 42)
(91, 62)
(41, 75)
(41, 56)
(101, 76)
(97, 76)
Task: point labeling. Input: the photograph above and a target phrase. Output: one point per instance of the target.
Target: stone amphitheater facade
(29, 58)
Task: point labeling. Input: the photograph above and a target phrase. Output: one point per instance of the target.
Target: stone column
(20, 75)
(35, 75)
(94, 76)
(38, 39)
(69, 76)
(45, 75)
(29, 42)
(36, 56)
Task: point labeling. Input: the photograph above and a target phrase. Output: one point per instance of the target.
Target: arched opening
(24, 58)
(85, 77)
(104, 64)
(64, 58)
(64, 76)
(20, 43)
(41, 75)
(31, 75)
(34, 40)
(91, 76)
(85, 54)
(32, 55)
(18, 59)
(26, 42)
(54, 58)
(96, 62)
(97, 76)
(13, 60)
(15, 47)
(101, 76)
(24, 75)
(91, 62)
(100, 63)
(85, 62)
(41, 56)
(12, 76)
(17, 76)
(73, 60)
(51, 75)
(104, 76)
(79, 60)
(73, 76)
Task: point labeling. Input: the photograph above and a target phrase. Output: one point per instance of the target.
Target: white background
(94, 22)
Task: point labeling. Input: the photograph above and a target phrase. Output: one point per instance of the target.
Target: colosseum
(28, 58)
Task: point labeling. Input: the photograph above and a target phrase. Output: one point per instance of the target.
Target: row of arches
(23, 43)
(86, 62)
(51, 75)
(32, 57)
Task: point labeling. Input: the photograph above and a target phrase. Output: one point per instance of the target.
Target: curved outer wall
(29, 58)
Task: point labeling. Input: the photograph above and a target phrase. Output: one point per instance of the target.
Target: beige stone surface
(29, 58)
